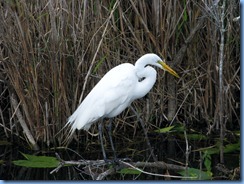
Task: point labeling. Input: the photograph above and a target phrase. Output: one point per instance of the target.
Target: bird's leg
(109, 130)
(100, 127)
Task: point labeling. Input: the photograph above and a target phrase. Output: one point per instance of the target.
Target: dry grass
(51, 58)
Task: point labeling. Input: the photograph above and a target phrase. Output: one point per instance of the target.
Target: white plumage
(116, 90)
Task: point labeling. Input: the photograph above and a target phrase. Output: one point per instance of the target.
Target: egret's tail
(70, 132)
(80, 119)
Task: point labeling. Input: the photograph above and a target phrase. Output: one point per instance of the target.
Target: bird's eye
(141, 79)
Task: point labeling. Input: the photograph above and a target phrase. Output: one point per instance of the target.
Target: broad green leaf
(37, 161)
(198, 174)
(129, 171)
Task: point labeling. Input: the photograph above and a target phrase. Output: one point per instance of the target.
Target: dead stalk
(221, 96)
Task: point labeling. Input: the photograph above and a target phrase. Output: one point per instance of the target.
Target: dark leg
(100, 127)
(109, 129)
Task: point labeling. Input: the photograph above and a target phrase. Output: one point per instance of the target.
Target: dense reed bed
(54, 52)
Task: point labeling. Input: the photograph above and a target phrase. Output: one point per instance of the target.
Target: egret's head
(161, 64)
(153, 59)
(164, 66)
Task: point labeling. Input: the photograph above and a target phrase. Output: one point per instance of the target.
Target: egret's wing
(110, 96)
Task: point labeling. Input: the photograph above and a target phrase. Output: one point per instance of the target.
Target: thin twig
(188, 149)
(155, 174)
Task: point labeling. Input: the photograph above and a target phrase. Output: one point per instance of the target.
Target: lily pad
(34, 161)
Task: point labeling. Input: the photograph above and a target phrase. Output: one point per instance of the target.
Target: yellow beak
(168, 69)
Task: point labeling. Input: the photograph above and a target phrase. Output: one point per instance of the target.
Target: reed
(54, 52)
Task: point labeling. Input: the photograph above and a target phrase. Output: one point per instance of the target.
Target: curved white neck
(146, 80)
(146, 74)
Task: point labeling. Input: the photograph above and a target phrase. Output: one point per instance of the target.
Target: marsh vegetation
(54, 52)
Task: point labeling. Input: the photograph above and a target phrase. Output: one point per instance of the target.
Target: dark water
(166, 148)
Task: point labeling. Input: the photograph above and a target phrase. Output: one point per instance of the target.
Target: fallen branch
(106, 169)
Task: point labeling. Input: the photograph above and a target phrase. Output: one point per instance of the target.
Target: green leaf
(207, 163)
(232, 147)
(174, 128)
(207, 160)
(129, 171)
(196, 137)
(165, 130)
(227, 149)
(196, 173)
(34, 161)
(211, 150)
(237, 133)
(179, 128)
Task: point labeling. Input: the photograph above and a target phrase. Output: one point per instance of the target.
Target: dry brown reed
(50, 55)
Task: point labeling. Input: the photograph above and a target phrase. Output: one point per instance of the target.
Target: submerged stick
(121, 164)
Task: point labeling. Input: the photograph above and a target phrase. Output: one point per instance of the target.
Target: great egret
(115, 92)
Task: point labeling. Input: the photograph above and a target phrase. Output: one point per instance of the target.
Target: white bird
(116, 90)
